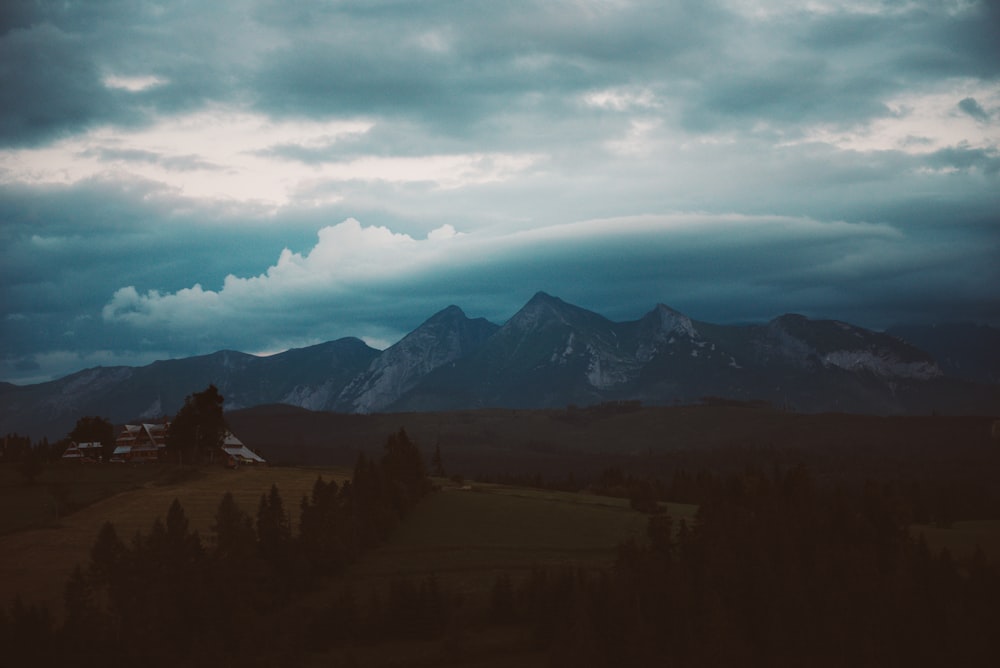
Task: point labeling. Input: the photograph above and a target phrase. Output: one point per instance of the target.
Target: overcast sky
(181, 177)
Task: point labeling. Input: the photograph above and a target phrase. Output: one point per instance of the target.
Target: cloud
(222, 154)
(45, 86)
(973, 108)
(133, 84)
(347, 257)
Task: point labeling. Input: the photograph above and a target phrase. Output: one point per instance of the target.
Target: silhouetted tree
(274, 539)
(94, 429)
(502, 609)
(437, 464)
(403, 466)
(106, 555)
(30, 466)
(371, 503)
(324, 529)
(30, 635)
(199, 427)
(235, 539)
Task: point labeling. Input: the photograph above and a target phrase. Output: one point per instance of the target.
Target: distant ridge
(548, 354)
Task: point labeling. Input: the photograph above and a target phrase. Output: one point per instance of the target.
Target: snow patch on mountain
(310, 398)
(675, 322)
(560, 358)
(881, 363)
(605, 371)
(96, 379)
(154, 410)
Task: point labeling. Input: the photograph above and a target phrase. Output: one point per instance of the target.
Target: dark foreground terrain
(716, 535)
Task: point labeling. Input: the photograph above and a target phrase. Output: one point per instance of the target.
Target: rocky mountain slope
(549, 354)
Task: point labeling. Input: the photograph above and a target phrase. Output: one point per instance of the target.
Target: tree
(274, 530)
(106, 555)
(404, 471)
(437, 465)
(30, 465)
(235, 538)
(94, 429)
(199, 427)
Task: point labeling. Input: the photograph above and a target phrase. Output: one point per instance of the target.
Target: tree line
(926, 497)
(776, 571)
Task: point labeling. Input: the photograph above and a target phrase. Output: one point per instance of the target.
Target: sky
(183, 177)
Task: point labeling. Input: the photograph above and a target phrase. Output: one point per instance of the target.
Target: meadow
(37, 560)
(467, 536)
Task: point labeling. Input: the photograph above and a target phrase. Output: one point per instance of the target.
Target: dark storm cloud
(972, 108)
(454, 71)
(55, 58)
(988, 161)
(46, 88)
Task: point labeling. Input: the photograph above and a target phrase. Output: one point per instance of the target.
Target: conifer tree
(437, 464)
(199, 427)
(235, 538)
(274, 533)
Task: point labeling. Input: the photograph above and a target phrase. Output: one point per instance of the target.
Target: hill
(586, 440)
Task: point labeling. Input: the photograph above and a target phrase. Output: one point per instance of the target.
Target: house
(83, 452)
(237, 453)
(141, 442)
(147, 442)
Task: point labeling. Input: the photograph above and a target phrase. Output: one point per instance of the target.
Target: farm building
(141, 442)
(146, 443)
(83, 452)
(237, 453)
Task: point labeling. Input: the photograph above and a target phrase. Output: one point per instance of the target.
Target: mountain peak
(544, 308)
(542, 297)
(444, 337)
(671, 321)
(448, 314)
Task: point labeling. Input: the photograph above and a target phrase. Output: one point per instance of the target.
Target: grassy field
(61, 489)
(36, 563)
(493, 527)
(465, 538)
(963, 537)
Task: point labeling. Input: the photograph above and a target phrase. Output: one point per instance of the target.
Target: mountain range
(551, 354)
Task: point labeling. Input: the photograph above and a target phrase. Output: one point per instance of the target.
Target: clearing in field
(466, 537)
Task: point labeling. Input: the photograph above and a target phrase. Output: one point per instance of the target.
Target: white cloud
(223, 154)
(921, 122)
(133, 84)
(766, 9)
(346, 256)
(622, 98)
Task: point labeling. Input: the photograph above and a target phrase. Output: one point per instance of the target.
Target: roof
(230, 441)
(234, 448)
